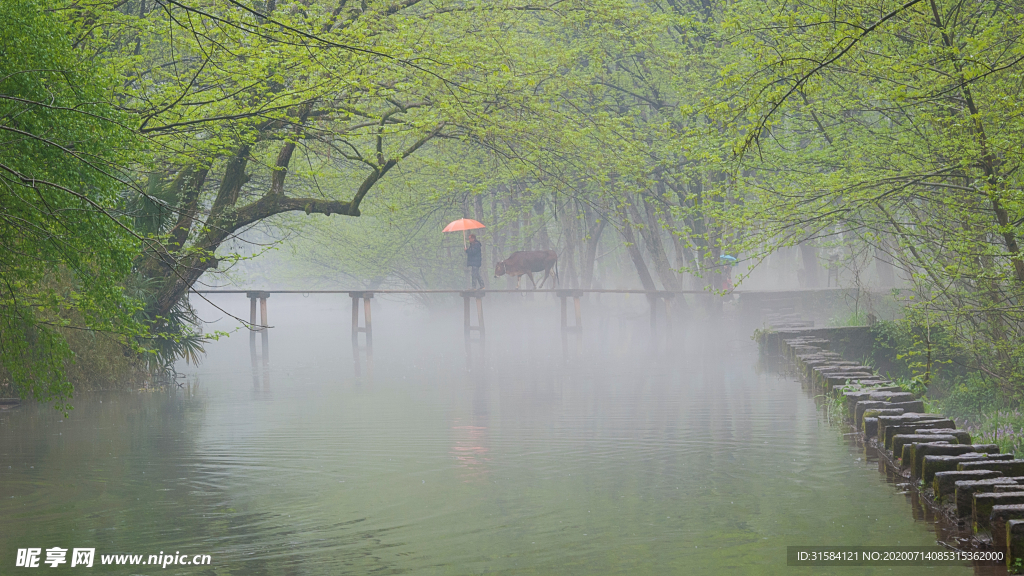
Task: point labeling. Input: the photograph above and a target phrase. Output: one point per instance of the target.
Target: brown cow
(520, 263)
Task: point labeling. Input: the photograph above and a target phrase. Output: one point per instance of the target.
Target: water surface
(627, 457)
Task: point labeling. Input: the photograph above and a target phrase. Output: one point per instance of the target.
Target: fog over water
(623, 455)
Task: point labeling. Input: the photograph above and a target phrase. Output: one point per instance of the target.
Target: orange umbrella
(463, 224)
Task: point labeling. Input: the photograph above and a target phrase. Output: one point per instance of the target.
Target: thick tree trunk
(226, 218)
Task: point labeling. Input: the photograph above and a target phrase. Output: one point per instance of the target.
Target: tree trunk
(542, 232)
(594, 230)
(635, 255)
(570, 228)
(669, 278)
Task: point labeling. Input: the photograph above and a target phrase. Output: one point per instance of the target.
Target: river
(625, 457)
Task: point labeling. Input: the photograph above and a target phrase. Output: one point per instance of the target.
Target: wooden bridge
(660, 303)
(654, 298)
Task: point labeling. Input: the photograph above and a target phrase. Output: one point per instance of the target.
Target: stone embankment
(970, 484)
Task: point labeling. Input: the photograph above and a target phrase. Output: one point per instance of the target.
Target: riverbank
(974, 487)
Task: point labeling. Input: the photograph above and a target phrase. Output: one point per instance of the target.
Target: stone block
(914, 406)
(966, 489)
(900, 440)
(885, 433)
(1001, 514)
(944, 483)
(833, 380)
(1007, 466)
(910, 452)
(925, 449)
(870, 427)
(985, 501)
(962, 436)
(933, 464)
(858, 408)
(887, 396)
(876, 412)
(857, 413)
(1015, 546)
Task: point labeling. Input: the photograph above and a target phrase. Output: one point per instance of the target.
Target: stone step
(944, 483)
(1001, 515)
(962, 436)
(899, 440)
(985, 501)
(1007, 467)
(933, 464)
(1015, 546)
(966, 489)
(874, 381)
(915, 406)
(876, 412)
(885, 435)
(870, 427)
(922, 450)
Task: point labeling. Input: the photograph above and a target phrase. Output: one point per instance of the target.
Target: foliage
(850, 319)
(915, 386)
(971, 396)
(885, 134)
(1004, 428)
(66, 248)
(892, 127)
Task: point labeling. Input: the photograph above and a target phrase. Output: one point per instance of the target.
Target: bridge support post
(262, 297)
(367, 321)
(467, 321)
(367, 327)
(563, 296)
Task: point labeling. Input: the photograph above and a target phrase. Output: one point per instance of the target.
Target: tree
(67, 249)
(896, 127)
(254, 112)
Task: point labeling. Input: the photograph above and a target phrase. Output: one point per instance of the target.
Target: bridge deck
(525, 291)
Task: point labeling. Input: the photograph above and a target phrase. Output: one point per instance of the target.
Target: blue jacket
(474, 254)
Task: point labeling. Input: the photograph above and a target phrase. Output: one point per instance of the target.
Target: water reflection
(470, 439)
(258, 361)
(362, 355)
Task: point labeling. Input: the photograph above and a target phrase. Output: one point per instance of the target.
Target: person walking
(474, 259)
